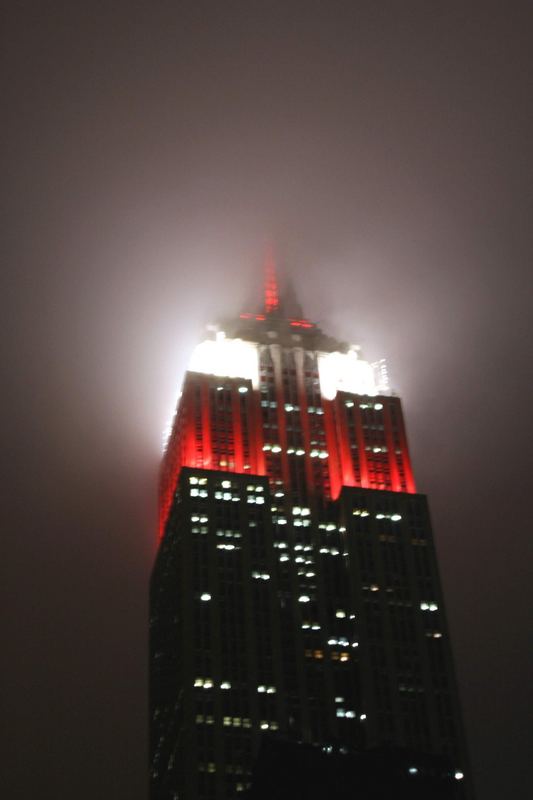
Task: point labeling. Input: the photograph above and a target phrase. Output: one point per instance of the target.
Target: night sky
(151, 151)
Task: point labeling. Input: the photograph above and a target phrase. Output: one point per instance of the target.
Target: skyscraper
(295, 592)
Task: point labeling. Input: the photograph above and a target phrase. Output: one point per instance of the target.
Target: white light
(413, 770)
(243, 389)
(378, 406)
(347, 372)
(362, 716)
(230, 358)
(276, 448)
(225, 685)
(396, 517)
(459, 776)
(303, 599)
(205, 596)
(340, 614)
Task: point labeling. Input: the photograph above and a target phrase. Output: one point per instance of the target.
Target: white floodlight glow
(228, 358)
(346, 372)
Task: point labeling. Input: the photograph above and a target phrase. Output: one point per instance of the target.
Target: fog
(151, 153)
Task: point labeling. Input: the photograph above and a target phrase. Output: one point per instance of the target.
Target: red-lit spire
(271, 284)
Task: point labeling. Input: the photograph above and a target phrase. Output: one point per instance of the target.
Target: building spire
(271, 283)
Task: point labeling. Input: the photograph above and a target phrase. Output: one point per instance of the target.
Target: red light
(301, 323)
(271, 285)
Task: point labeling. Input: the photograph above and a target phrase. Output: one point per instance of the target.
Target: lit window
(340, 614)
(304, 598)
(225, 685)
(205, 596)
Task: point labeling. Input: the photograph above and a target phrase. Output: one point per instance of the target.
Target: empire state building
(295, 604)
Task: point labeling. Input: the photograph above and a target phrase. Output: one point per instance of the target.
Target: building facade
(295, 593)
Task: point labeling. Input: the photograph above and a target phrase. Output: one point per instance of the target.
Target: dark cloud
(151, 152)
